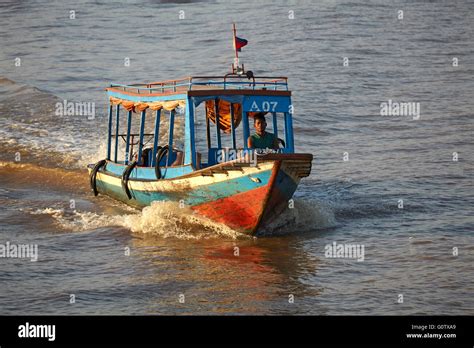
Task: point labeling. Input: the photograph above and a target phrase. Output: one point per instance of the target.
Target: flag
(239, 43)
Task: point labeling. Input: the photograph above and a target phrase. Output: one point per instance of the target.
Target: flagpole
(235, 47)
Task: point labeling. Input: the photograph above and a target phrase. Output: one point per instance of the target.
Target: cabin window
(276, 125)
(214, 131)
(211, 139)
(132, 136)
(170, 133)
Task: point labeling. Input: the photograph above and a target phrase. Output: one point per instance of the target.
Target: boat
(186, 141)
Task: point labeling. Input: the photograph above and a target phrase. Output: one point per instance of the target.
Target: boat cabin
(172, 128)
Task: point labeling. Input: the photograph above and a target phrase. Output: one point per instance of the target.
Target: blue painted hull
(243, 199)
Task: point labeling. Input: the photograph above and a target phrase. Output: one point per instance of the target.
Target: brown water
(83, 240)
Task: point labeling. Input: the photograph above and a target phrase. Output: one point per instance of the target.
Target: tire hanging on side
(162, 151)
(125, 176)
(93, 175)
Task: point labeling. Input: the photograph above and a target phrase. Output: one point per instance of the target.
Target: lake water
(400, 186)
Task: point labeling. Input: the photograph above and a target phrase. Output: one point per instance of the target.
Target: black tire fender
(125, 176)
(93, 175)
(162, 151)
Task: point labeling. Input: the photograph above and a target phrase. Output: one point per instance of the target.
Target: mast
(236, 60)
(236, 68)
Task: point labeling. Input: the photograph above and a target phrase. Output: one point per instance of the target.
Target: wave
(169, 220)
(306, 216)
(164, 219)
(32, 175)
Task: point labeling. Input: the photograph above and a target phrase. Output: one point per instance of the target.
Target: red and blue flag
(239, 43)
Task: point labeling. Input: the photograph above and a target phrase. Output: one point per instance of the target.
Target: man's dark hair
(260, 116)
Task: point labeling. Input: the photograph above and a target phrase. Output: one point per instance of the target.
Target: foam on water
(169, 220)
(306, 216)
(163, 219)
(75, 221)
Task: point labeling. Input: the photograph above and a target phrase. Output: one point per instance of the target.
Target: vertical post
(246, 131)
(189, 144)
(109, 134)
(289, 132)
(218, 130)
(170, 138)
(140, 142)
(275, 126)
(232, 125)
(127, 145)
(208, 132)
(156, 138)
(117, 117)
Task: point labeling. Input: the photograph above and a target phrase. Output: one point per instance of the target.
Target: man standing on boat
(262, 139)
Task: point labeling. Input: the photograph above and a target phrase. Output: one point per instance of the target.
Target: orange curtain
(224, 114)
(141, 106)
(128, 105)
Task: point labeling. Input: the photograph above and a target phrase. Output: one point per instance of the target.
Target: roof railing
(187, 84)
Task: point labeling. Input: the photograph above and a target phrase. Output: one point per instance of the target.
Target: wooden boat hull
(245, 198)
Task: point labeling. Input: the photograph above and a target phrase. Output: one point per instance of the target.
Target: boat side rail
(224, 82)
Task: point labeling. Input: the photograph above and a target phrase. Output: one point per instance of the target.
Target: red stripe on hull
(277, 204)
(240, 212)
(280, 195)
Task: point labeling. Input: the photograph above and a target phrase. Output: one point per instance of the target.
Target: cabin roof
(205, 86)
